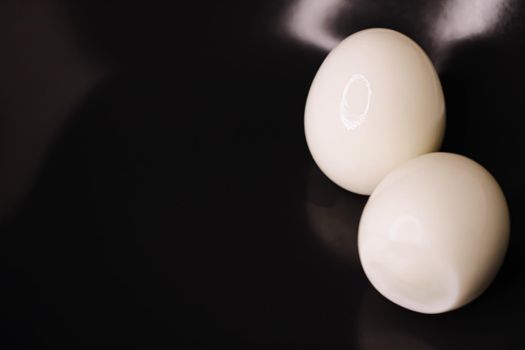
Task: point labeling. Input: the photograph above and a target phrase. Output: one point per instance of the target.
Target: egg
(375, 102)
(434, 233)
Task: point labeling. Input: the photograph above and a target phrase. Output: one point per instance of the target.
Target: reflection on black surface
(395, 329)
(487, 323)
(333, 215)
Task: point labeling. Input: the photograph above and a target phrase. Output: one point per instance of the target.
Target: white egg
(375, 102)
(434, 233)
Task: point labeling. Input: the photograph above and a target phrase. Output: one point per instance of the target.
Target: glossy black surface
(157, 191)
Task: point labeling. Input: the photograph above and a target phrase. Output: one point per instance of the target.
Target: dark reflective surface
(156, 188)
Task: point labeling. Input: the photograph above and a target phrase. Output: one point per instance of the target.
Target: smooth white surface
(375, 103)
(434, 233)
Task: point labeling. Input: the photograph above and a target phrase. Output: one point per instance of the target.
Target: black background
(172, 200)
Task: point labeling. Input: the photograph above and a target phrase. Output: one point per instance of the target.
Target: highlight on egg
(375, 102)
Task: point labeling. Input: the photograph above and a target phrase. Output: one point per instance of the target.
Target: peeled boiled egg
(375, 103)
(434, 233)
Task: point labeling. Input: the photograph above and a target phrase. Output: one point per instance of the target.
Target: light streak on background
(463, 19)
(309, 21)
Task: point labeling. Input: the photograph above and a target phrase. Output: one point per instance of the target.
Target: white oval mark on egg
(355, 101)
(375, 103)
(434, 233)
